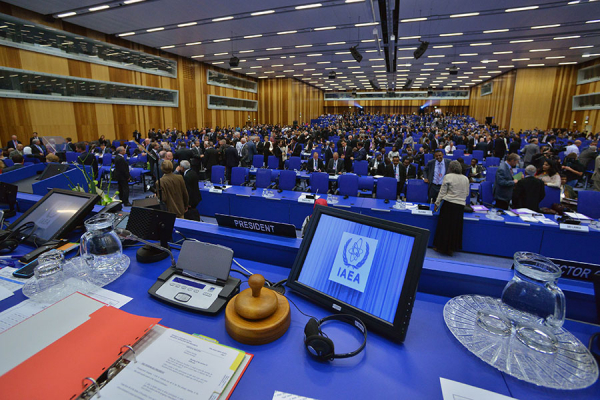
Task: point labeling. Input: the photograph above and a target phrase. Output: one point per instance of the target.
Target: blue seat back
(239, 176)
(467, 159)
(273, 162)
(490, 175)
(295, 163)
(588, 203)
(136, 173)
(458, 153)
(478, 154)
(274, 174)
(319, 181)
(8, 162)
(491, 161)
(263, 178)
(461, 147)
(427, 157)
(107, 160)
(366, 183)
(487, 195)
(287, 180)
(361, 167)
(348, 185)
(71, 156)
(552, 196)
(416, 191)
(386, 188)
(258, 161)
(217, 174)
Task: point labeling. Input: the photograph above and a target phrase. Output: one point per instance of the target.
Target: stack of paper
(581, 217)
(480, 209)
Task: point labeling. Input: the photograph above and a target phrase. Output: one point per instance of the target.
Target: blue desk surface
(384, 370)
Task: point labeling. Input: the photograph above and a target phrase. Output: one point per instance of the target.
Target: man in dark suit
(183, 153)
(69, 145)
(482, 145)
(121, 175)
(295, 149)
(250, 151)
(191, 183)
(196, 160)
(211, 157)
(434, 172)
(500, 147)
(386, 168)
(232, 159)
(12, 144)
(35, 136)
(505, 183)
(361, 152)
(101, 150)
(412, 171)
(18, 163)
(137, 136)
(38, 150)
(345, 152)
(374, 164)
(329, 153)
(315, 164)
(335, 166)
(529, 191)
(86, 158)
(399, 174)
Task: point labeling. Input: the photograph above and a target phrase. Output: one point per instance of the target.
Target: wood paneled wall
(285, 100)
(87, 121)
(498, 104)
(397, 107)
(591, 116)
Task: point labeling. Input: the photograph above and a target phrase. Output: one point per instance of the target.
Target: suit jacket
(41, 151)
(184, 154)
(387, 170)
(504, 184)
(401, 172)
(88, 159)
(347, 154)
(529, 151)
(231, 157)
(251, 149)
(340, 166)
(310, 165)
(296, 150)
(121, 172)
(412, 172)
(174, 193)
(211, 157)
(11, 145)
(328, 155)
(191, 183)
(361, 154)
(528, 193)
(429, 169)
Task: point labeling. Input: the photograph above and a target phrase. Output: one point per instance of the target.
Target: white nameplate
(379, 209)
(470, 219)
(516, 223)
(218, 191)
(242, 195)
(577, 228)
(303, 199)
(422, 212)
(273, 198)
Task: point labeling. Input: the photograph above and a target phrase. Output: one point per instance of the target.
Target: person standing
(399, 174)
(191, 180)
(505, 183)
(121, 175)
(529, 151)
(433, 173)
(453, 192)
(596, 175)
(529, 191)
(174, 192)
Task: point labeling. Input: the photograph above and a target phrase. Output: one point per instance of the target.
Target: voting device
(200, 280)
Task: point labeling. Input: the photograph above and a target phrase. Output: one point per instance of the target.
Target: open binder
(74, 347)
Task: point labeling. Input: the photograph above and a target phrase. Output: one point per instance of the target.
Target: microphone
(124, 234)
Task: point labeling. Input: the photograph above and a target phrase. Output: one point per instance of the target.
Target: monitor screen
(363, 266)
(56, 213)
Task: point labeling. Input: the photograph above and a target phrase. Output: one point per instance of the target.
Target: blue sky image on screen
(358, 264)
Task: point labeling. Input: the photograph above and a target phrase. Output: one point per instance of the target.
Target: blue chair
(287, 180)
(486, 193)
(31, 159)
(27, 163)
(319, 182)
(478, 154)
(71, 156)
(462, 147)
(136, 175)
(263, 178)
(295, 164)
(366, 184)
(274, 175)
(348, 185)
(552, 196)
(416, 191)
(273, 162)
(427, 157)
(458, 153)
(107, 160)
(8, 162)
(491, 162)
(467, 159)
(258, 161)
(386, 189)
(588, 203)
(217, 175)
(361, 167)
(239, 176)
(490, 174)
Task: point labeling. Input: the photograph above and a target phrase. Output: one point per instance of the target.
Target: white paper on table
(18, 313)
(452, 390)
(575, 215)
(288, 396)
(10, 282)
(524, 211)
(109, 297)
(528, 218)
(5, 293)
(176, 366)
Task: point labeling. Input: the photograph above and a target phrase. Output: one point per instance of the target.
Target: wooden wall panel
(498, 104)
(283, 101)
(591, 116)
(533, 98)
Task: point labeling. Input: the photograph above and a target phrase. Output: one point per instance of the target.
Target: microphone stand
(127, 235)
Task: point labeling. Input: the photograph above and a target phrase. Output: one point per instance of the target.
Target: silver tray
(568, 366)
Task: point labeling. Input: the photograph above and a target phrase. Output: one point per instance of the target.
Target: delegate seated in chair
(315, 164)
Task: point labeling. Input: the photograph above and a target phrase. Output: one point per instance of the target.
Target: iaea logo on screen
(353, 260)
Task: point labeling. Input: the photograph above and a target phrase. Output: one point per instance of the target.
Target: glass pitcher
(102, 250)
(533, 290)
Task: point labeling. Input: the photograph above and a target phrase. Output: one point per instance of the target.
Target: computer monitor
(367, 267)
(52, 169)
(151, 224)
(56, 214)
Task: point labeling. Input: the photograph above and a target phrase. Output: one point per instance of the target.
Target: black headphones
(14, 238)
(320, 346)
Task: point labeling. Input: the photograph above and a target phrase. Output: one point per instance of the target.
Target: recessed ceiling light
(366, 24)
(405, 48)
(193, 43)
(132, 1)
(472, 14)
(409, 37)
(488, 61)
(371, 51)
(198, 56)
(252, 36)
(324, 28)
(273, 48)
(413, 19)
(314, 55)
(246, 51)
(187, 24)
(324, 62)
(218, 62)
(431, 63)
(126, 34)
(445, 46)
(104, 7)
(451, 34)
(480, 44)
(276, 65)
(263, 59)
(221, 40)
(304, 7)
(476, 68)
(506, 66)
(335, 43)
(256, 66)
(222, 19)
(355, 67)
(460, 62)
(538, 50)
(520, 59)
(367, 41)
(522, 41)
(220, 54)
(286, 32)
(330, 68)
(567, 63)
(300, 64)
(567, 37)
(468, 54)
(168, 47)
(503, 52)
(555, 57)
(309, 69)
(496, 31)
(535, 65)
(436, 56)
(155, 29)
(545, 26)
(68, 14)
(255, 14)
(580, 47)
(590, 55)
(594, 21)
(235, 69)
(522, 9)
(348, 61)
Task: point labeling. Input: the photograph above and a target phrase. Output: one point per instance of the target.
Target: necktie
(396, 172)
(335, 165)
(438, 173)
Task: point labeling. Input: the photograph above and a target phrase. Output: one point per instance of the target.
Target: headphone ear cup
(311, 328)
(320, 347)
(8, 245)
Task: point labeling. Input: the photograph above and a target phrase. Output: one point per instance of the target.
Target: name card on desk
(576, 228)
(303, 199)
(470, 218)
(429, 213)
(218, 191)
(256, 225)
